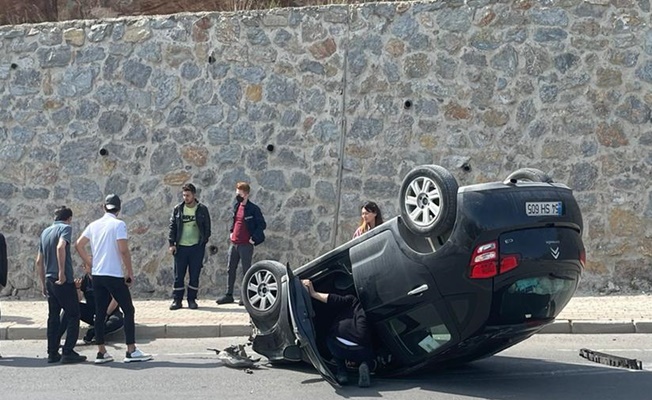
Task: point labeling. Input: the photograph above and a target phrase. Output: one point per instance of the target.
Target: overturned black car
(461, 274)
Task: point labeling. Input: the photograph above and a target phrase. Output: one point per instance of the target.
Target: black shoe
(72, 358)
(241, 303)
(364, 379)
(54, 358)
(226, 299)
(192, 304)
(341, 375)
(176, 304)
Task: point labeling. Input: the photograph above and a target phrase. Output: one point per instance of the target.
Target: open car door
(301, 314)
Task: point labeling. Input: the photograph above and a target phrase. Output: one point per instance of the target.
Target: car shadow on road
(502, 378)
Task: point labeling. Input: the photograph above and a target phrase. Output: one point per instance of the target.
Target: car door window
(420, 332)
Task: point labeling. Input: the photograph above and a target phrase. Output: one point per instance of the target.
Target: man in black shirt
(348, 337)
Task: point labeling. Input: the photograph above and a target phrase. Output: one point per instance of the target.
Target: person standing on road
(107, 237)
(190, 228)
(54, 266)
(247, 230)
(371, 217)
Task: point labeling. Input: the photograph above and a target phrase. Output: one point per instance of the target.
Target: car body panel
(301, 314)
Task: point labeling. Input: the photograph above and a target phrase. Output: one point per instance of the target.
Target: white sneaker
(137, 355)
(103, 358)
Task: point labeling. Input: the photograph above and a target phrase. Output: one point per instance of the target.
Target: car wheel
(528, 175)
(428, 200)
(261, 292)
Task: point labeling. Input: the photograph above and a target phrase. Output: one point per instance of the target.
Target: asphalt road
(543, 367)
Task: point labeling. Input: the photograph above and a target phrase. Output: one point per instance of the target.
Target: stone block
(235, 330)
(589, 327)
(191, 331)
(560, 327)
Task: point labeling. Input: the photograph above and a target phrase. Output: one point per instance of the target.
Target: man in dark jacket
(190, 228)
(247, 231)
(349, 336)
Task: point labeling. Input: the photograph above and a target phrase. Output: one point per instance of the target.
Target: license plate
(542, 208)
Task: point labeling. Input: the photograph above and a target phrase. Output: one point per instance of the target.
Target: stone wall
(321, 109)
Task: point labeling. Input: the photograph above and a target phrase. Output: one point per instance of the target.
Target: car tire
(428, 200)
(261, 293)
(528, 175)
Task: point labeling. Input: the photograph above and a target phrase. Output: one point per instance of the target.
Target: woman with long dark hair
(371, 218)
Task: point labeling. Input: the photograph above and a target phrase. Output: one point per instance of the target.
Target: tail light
(487, 263)
(484, 261)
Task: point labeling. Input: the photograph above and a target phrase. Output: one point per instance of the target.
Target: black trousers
(105, 287)
(341, 351)
(113, 322)
(62, 297)
(187, 258)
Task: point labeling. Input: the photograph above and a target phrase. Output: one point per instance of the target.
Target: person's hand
(129, 279)
(251, 241)
(78, 283)
(308, 284)
(62, 279)
(173, 250)
(44, 291)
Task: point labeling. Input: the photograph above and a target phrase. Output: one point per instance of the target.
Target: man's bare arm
(61, 261)
(323, 297)
(80, 246)
(123, 247)
(40, 271)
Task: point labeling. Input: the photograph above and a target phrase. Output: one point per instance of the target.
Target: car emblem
(554, 252)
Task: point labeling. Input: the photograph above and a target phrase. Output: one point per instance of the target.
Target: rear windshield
(419, 332)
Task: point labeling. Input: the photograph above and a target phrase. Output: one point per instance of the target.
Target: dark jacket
(3, 261)
(253, 219)
(202, 217)
(351, 320)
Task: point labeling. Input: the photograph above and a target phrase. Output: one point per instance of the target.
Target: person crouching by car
(114, 318)
(348, 337)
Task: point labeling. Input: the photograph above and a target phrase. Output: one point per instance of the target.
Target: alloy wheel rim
(423, 201)
(262, 290)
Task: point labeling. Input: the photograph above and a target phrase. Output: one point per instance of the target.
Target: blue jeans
(62, 297)
(187, 258)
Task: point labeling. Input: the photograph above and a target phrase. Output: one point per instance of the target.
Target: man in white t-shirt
(107, 237)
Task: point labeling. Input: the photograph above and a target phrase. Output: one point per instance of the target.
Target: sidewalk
(595, 314)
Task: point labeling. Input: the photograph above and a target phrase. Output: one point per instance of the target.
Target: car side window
(420, 332)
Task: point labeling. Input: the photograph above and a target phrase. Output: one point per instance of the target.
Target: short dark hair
(62, 213)
(189, 187)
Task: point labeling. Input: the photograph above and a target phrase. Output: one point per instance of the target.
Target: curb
(597, 327)
(154, 331)
(21, 332)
